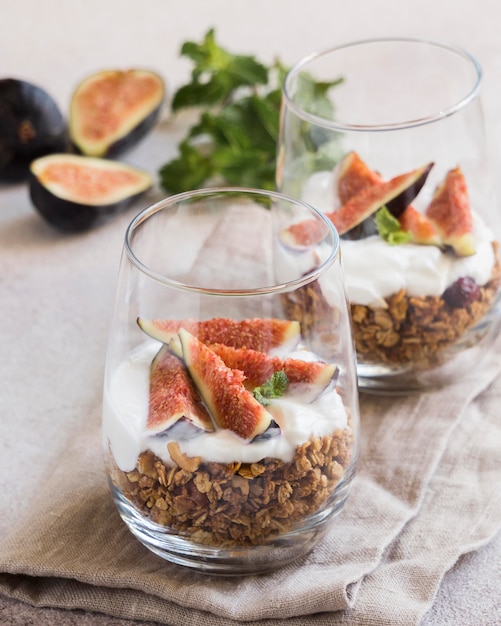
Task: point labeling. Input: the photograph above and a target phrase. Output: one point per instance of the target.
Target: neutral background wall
(55, 43)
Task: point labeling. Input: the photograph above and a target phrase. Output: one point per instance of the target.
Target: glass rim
(342, 126)
(170, 201)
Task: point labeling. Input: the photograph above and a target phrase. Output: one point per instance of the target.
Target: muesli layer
(408, 329)
(224, 505)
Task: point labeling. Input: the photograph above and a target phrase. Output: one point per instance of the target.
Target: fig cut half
(74, 193)
(112, 110)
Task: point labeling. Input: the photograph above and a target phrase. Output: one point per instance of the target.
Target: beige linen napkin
(426, 492)
(424, 495)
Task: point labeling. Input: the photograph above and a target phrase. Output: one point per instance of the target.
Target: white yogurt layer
(125, 413)
(375, 270)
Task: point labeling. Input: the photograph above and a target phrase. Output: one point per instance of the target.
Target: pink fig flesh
(310, 377)
(231, 405)
(450, 213)
(173, 395)
(263, 334)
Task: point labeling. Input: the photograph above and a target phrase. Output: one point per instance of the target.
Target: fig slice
(354, 176)
(308, 378)
(112, 110)
(449, 212)
(173, 396)
(396, 194)
(419, 227)
(262, 334)
(303, 235)
(231, 405)
(74, 193)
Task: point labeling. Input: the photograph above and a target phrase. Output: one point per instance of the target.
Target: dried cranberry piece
(462, 292)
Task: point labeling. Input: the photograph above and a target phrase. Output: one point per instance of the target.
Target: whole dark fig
(31, 126)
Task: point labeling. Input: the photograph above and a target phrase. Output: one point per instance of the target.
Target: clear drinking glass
(230, 414)
(392, 147)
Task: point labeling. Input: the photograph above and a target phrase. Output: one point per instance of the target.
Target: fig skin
(72, 215)
(31, 126)
(97, 102)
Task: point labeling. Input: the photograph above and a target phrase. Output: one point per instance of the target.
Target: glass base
(235, 560)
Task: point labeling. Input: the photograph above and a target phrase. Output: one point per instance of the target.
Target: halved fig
(231, 405)
(309, 377)
(173, 396)
(74, 193)
(112, 110)
(262, 334)
(31, 126)
(354, 176)
(419, 227)
(449, 212)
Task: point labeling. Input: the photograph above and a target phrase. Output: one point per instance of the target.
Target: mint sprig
(389, 228)
(274, 387)
(234, 140)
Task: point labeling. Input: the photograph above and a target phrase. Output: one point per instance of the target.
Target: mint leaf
(216, 73)
(274, 387)
(389, 227)
(189, 171)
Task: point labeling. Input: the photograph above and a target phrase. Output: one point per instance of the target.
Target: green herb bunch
(234, 140)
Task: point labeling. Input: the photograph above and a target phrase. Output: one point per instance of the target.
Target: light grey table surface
(56, 43)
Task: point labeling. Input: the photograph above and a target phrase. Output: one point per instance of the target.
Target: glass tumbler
(387, 138)
(230, 413)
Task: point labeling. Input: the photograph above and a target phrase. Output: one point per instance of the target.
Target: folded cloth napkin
(427, 491)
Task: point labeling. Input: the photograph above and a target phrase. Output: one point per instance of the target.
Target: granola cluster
(408, 329)
(226, 505)
(414, 329)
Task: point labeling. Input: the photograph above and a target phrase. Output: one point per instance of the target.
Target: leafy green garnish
(216, 74)
(389, 228)
(274, 387)
(234, 141)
